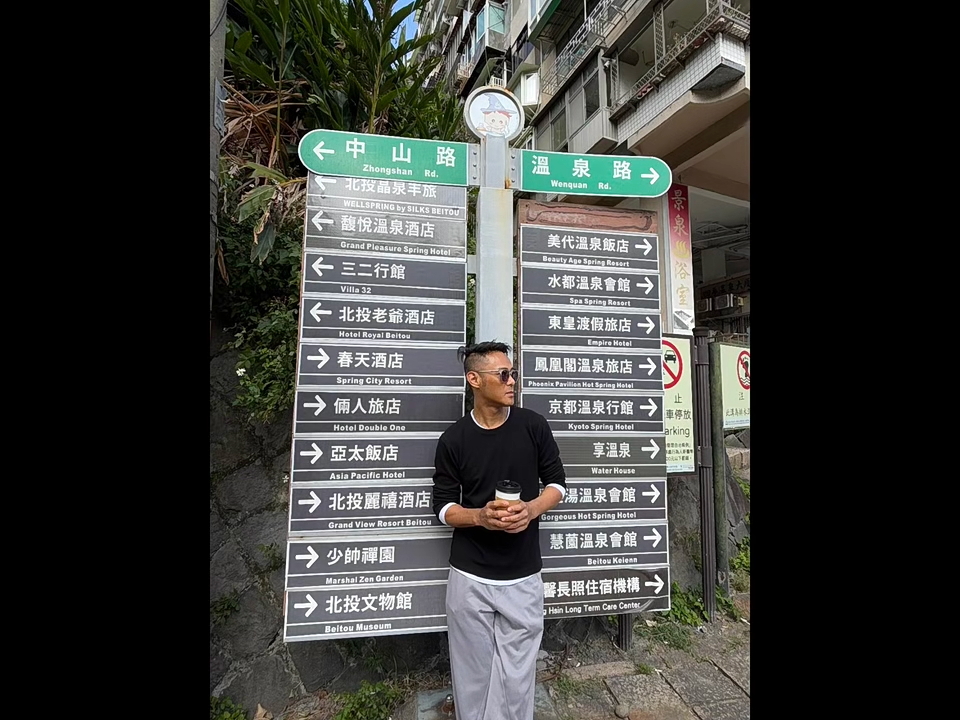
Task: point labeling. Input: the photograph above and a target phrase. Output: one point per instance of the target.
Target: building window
(591, 95)
(559, 129)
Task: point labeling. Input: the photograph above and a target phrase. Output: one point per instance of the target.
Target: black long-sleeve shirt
(470, 460)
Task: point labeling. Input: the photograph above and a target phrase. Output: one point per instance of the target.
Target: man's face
(486, 381)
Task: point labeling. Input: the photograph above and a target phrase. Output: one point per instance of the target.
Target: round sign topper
(491, 110)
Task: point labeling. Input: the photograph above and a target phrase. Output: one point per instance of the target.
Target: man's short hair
(470, 355)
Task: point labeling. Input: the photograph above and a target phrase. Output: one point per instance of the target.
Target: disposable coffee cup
(508, 490)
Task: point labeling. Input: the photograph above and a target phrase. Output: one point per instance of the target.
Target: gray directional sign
(349, 506)
(384, 609)
(614, 456)
(609, 591)
(390, 196)
(384, 364)
(604, 545)
(425, 230)
(560, 369)
(375, 410)
(368, 560)
(583, 327)
(579, 248)
(610, 501)
(589, 287)
(359, 318)
(390, 457)
(400, 277)
(597, 412)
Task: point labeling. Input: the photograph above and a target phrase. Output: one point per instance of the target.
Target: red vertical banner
(681, 259)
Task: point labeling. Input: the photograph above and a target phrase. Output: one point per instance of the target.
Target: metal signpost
(590, 337)
(383, 309)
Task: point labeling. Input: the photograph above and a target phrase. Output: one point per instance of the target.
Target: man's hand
(490, 515)
(518, 518)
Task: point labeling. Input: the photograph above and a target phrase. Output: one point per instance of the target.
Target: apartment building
(669, 79)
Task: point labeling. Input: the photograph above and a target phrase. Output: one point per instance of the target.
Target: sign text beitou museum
(382, 312)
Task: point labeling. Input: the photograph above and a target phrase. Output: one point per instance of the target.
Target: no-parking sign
(678, 405)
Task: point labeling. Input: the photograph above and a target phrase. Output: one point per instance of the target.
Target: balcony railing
(598, 23)
(720, 18)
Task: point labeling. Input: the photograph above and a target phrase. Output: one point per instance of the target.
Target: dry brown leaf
(262, 714)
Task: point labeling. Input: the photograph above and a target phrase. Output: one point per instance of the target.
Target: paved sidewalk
(707, 680)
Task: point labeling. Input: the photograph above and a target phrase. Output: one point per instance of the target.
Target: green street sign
(571, 174)
(331, 152)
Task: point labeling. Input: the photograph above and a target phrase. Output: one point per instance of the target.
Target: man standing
(494, 592)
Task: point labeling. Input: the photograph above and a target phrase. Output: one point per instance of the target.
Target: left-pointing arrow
(313, 502)
(316, 454)
(319, 221)
(318, 268)
(320, 179)
(310, 605)
(320, 151)
(319, 405)
(317, 312)
(312, 556)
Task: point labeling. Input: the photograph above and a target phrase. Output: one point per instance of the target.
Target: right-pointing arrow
(652, 407)
(653, 175)
(656, 537)
(652, 448)
(658, 585)
(316, 454)
(312, 556)
(653, 493)
(323, 357)
(647, 284)
(650, 364)
(319, 405)
(645, 245)
(310, 605)
(314, 502)
(649, 325)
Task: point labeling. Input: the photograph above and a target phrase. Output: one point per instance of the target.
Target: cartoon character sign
(491, 112)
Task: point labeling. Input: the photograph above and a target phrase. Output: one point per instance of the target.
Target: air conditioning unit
(705, 305)
(724, 302)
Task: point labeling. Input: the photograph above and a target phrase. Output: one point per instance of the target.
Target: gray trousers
(494, 633)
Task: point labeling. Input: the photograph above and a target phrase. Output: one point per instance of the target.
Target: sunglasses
(505, 375)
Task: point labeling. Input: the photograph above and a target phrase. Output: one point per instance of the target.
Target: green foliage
(224, 709)
(744, 485)
(273, 556)
(686, 608)
(725, 604)
(224, 607)
(293, 66)
(370, 702)
(741, 561)
(666, 632)
(740, 565)
(644, 669)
